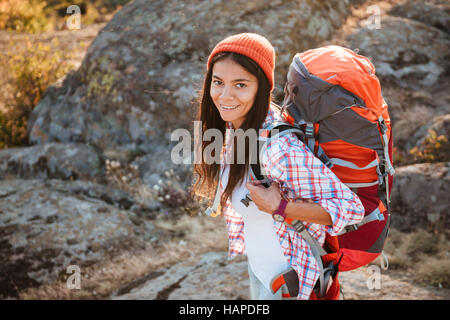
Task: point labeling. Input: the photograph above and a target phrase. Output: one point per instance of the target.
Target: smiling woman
(233, 91)
(236, 95)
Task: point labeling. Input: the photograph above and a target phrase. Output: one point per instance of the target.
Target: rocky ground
(62, 203)
(211, 276)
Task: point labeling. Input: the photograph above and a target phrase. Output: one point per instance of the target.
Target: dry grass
(29, 72)
(426, 255)
(434, 271)
(35, 16)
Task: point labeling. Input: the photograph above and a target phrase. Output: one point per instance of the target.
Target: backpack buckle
(383, 125)
(350, 228)
(246, 200)
(309, 130)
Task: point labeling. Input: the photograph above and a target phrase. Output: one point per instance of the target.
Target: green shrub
(34, 16)
(24, 16)
(434, 149)
(31, 70)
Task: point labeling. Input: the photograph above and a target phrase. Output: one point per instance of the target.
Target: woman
(236, 95)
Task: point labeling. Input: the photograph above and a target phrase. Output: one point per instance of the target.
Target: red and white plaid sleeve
(288, 161)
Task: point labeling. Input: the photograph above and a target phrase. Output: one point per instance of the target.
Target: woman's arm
(288, 161)
(268, 200)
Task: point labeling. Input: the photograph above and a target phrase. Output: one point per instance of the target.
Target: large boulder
(416, 130)
(205, 277)
(210, 276)
(141, 74)
(431, 12)
(47, 225)
(440, 125)
(412, 56)
(420, 197)
(66, 161)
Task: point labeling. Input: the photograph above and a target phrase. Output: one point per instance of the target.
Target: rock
(211, 277)
(439, 124)
(156, 166)
(52, 161)
(87, 189)
(433, 13)
(207, 277)
(141, 74)
(413, 56)
(45, 226)
(412, 131)
(373, 283)
(420, 197)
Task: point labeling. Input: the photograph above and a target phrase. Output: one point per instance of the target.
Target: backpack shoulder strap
(273, 130)
(278, 129)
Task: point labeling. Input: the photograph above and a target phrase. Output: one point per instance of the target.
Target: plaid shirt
(301, 176)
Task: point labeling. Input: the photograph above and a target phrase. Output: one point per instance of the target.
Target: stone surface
(434, 13)
(139, 81)
(413, 56)
(420, 197)
(141, 74)
(52, 161)
(46, 226)
(212, 277)
(207, 277)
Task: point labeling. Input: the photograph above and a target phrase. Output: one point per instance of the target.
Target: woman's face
(233, 91)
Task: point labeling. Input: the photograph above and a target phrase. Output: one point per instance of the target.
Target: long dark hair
(207, 174)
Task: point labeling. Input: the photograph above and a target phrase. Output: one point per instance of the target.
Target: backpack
(333, 103)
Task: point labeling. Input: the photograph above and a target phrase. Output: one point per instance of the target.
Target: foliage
(24, 16)
(169, 191)
(434, 148)
(101, 82)
(434, 271)
(33, 16)
(423, 251)
(30, 70)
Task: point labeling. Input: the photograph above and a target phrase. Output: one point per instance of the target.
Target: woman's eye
(217, 82)
(241, 85)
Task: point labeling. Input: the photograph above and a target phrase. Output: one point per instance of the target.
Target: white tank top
(262, 247)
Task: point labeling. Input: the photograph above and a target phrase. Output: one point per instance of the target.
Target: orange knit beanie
(253, 46)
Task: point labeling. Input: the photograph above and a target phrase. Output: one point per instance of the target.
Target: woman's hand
(266, 199)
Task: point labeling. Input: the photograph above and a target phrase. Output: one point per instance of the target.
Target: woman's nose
(226, 93)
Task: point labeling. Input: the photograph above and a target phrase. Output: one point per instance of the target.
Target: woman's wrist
(308, 211)
(275, 206)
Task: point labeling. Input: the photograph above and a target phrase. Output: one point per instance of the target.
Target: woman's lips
(228, 108)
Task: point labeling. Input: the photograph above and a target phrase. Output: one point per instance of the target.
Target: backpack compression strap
(388, 168)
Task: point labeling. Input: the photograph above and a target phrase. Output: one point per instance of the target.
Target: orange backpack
(333, 103)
